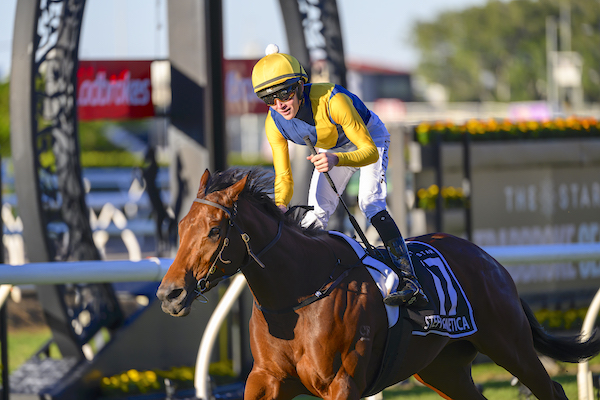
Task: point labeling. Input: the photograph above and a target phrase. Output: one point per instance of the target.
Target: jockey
(352, 138)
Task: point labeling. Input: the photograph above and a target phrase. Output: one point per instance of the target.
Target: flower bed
(135, 382)
(453, 197)
(492, 129)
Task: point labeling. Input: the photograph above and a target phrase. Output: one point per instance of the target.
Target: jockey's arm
(343, 113)
(284, 181)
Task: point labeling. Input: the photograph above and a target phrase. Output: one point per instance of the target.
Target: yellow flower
(559, 123)
(433, 190)
(423, 127)
(492, 125)
(448, 192)
(151, 376)
(133, 375)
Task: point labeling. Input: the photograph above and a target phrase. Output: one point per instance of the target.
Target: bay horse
(319, 325)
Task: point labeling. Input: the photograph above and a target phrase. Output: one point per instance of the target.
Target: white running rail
(201, 378)
(51, 273)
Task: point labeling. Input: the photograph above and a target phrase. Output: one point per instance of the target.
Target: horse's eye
(214, 233)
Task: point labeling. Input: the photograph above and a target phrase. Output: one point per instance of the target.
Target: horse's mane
(259, 190)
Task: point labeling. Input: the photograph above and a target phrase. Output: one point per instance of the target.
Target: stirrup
(411, 295)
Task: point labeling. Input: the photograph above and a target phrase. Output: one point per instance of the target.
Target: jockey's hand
(324, 162)
(283, 208)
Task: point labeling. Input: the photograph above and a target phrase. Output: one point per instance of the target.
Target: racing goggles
(285, 94)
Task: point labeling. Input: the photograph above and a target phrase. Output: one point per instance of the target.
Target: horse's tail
(565, 348)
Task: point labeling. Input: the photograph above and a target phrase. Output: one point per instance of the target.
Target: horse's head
(204, 235)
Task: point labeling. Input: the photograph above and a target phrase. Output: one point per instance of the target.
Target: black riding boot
(410, 292)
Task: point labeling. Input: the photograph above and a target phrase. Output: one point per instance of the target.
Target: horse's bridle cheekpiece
(204, 283)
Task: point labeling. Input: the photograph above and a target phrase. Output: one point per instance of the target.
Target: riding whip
(352, 219)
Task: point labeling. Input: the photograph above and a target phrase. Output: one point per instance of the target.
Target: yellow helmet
(276, 71)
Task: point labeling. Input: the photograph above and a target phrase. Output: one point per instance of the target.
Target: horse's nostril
(174, 294)
(167, 293)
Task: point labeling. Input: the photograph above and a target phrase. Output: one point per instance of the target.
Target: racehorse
(319, 325)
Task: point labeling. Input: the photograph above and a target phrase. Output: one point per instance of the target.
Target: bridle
(204, 283)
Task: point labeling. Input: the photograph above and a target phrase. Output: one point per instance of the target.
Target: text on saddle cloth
(449, 312)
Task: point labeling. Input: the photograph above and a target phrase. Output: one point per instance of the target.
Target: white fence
(154, 269)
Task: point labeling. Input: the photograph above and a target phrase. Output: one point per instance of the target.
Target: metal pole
(3, 316)
(211, 331)
(439, 202)
(215, 102)
(551, 48)
(467, 185)
(4, 346)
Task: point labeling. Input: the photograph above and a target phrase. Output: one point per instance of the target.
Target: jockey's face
(289, 108)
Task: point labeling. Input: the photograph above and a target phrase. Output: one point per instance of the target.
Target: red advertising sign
(114, 89)
(239, 95)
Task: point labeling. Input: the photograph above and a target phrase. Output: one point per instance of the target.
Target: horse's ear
(203, 182)
(233, 191)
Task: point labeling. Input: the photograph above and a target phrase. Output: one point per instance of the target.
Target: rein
(204, 283)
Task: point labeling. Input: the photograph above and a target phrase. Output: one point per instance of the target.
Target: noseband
(204, 283)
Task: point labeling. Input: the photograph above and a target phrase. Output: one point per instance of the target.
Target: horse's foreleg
(343, 388)
(262, 384)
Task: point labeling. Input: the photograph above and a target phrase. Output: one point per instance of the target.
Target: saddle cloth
(449, 312)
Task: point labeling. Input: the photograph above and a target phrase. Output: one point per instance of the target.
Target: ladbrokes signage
(114, 90)
(239, 94)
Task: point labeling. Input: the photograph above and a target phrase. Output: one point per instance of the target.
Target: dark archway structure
(46, 154)
(48, 181)
(314, 34)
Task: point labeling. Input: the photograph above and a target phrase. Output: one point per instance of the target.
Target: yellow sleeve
(284, 182)
(343, 113)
